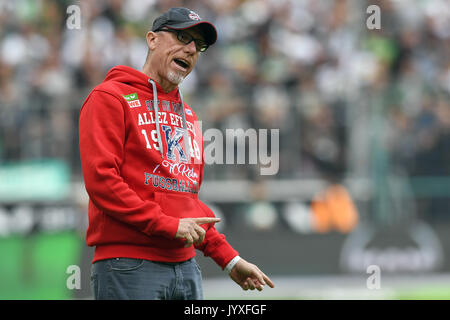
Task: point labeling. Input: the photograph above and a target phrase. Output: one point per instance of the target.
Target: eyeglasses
(187, 38)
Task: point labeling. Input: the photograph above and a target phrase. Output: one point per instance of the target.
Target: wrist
(231, 264)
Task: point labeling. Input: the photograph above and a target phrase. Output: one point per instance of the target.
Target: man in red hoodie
(142, 159)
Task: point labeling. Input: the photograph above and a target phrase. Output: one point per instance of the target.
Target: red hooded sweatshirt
(142, 160)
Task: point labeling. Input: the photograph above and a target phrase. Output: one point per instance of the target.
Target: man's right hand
(190, 230)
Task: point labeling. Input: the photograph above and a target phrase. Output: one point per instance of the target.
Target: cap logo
(194, 16)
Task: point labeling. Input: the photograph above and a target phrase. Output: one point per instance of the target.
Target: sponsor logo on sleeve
(133, 100)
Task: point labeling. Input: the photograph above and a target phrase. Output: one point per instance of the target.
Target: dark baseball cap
(183, 18)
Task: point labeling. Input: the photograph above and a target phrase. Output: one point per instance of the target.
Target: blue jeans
(138, 279)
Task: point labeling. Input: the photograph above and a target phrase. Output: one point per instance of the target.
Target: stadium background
(364, 157)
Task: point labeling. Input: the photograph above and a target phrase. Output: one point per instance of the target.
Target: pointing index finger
(268, 281)
(206, 220)
(264, 279)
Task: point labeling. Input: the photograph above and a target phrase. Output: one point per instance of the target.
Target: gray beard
(175, 77)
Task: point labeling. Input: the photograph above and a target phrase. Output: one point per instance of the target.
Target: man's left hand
(248, 276)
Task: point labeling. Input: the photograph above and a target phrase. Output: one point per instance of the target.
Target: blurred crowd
(343, 96)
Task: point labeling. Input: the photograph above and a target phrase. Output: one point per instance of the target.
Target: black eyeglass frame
(199, 47)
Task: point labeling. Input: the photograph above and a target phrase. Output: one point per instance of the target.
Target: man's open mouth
(182, 63)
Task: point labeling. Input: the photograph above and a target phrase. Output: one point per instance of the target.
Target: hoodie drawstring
(155, 108)
(158, 133)
(186, 134)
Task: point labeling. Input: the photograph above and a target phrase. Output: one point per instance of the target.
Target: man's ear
(152, 40)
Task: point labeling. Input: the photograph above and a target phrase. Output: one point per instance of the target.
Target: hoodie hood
(138, 79)
(135, 78)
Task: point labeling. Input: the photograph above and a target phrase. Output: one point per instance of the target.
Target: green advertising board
(39, 181)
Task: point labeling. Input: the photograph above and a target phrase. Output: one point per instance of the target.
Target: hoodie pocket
(181, 206)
